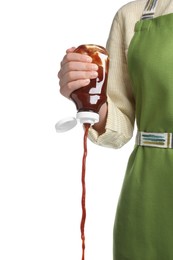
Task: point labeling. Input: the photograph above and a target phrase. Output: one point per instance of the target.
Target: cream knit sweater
(121, 104)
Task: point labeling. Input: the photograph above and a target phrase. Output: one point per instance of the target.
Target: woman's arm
(100, 126)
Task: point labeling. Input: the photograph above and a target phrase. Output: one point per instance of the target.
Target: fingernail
(94, 67)
(88, 58)
(94, 74)
(87, 81)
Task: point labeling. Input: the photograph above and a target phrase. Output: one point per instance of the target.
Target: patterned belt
(161, 140)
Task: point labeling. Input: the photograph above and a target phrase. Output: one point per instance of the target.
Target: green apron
(143, 228)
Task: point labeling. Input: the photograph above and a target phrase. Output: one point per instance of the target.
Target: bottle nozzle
(87, 117)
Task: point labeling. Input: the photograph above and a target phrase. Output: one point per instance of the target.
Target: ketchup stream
(82, 226)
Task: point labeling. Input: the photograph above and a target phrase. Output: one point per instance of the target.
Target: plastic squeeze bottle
(90, 98)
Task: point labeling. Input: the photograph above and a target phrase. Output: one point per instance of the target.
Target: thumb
(70, 49)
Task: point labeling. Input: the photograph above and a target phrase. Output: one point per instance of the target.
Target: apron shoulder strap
(149, 9)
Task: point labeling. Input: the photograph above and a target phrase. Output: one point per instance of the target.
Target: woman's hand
(75, 72)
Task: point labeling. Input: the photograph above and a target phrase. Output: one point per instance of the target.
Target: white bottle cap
(86, 117)
(65, 124)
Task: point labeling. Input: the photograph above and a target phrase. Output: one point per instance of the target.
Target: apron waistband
(160, 140)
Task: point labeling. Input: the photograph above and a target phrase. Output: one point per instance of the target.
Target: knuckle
(62, 62)
(70, 66)
(61, 91)
(68, 57)
(59, 74)
(69, 87)
(70, 75)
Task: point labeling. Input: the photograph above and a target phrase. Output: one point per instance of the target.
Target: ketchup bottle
(90, 98)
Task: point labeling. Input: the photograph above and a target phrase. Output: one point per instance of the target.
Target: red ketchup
(82, 225)
(90, 98)
(88, 101)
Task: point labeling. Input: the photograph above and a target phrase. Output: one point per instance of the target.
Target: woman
(140, 87)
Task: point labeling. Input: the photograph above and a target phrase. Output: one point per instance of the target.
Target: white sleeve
(121, 105)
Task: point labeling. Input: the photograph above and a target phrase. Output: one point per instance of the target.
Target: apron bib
(143, 228)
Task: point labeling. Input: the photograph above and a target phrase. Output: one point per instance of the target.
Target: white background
(40, 170)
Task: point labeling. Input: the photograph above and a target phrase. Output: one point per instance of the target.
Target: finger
(72, 56)
(70, 49)
(77, 66)
(72, 86)
(76, 75)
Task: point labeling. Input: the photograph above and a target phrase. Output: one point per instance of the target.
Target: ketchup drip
(82, 226)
